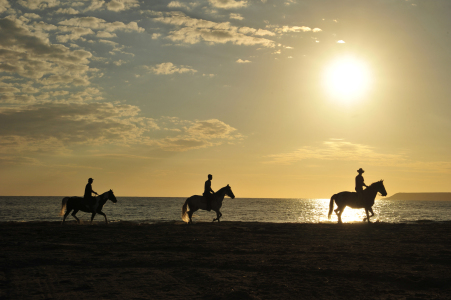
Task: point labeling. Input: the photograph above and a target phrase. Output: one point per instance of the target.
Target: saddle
(209, 199)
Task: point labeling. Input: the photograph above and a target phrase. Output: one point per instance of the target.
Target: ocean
(155, 209)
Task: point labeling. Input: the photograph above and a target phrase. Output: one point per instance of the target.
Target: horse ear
(227, 185)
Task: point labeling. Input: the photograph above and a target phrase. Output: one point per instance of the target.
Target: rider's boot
(208, 204)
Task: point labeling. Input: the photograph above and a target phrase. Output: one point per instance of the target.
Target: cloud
(4, 5)
(235, 16)
(100, 24)
(240, 61)
(296, 29)
(69, 124)
(341, 42)
(210, 129)
(29, 54)
(75, 33)
(262, 32)
(178, 4)
(31, 15)
(197, 134)
(105, 34)
(338, 150)
(68, 11)
(197, 30)
(119, 62)
(95, 5)
(57, 127)
(38, 4)
(228, 4)
(118, 5)
(169, 68)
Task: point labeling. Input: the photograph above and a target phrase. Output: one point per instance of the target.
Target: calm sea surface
(150, 209)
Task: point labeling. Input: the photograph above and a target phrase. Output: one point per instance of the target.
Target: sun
(347, 79)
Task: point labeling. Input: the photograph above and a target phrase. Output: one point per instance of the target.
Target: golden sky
(276, 98)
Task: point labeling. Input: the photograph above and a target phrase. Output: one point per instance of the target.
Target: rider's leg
(209, 202)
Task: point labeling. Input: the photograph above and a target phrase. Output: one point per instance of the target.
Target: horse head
(111, 196)
(381, 188)
(228, 192)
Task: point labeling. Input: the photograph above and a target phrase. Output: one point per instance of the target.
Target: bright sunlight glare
(347, 79)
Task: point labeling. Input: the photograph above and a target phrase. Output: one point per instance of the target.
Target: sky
(278, 99)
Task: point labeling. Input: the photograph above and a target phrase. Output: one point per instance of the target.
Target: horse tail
(63, 205)
(185, 217)
(331, 206)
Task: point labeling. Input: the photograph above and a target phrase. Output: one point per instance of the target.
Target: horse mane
(221, 189)
(375, 183)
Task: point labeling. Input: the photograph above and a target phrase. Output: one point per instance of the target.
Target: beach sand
(230, 260)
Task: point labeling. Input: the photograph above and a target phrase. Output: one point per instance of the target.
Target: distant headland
(421, 196)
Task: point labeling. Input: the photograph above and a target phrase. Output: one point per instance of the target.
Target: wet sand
(230, 260)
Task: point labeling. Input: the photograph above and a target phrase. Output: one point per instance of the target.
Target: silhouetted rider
(89, 199)
(208, 192)
(359, 184)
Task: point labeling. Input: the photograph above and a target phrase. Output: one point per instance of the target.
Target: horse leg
(190, 214)
(101, 213)
(218, 215)
(65, 215)
(92, 216)
(339, 214)
(367, 215)
(73, 215)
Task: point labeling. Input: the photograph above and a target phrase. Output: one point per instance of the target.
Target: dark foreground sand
(231, 260)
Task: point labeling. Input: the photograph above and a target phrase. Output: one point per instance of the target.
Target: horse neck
(220, 194)
(103, 198)
(372, 192)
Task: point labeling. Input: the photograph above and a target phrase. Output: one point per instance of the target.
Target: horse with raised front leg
(197, 202)
(351, 199)
(78, 203)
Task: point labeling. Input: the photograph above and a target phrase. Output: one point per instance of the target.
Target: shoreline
(229, 260)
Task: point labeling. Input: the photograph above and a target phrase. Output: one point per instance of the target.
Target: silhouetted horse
(79, 203)
(350, 199)
(200, 202)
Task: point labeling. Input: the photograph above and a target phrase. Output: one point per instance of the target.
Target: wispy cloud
(113, 5)
(38, 4)
(228, 4)
(195, 30)
(168, 68)
(57, 127)
(236, 16)
(337, 150)
(340, 150)
(184, 5)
